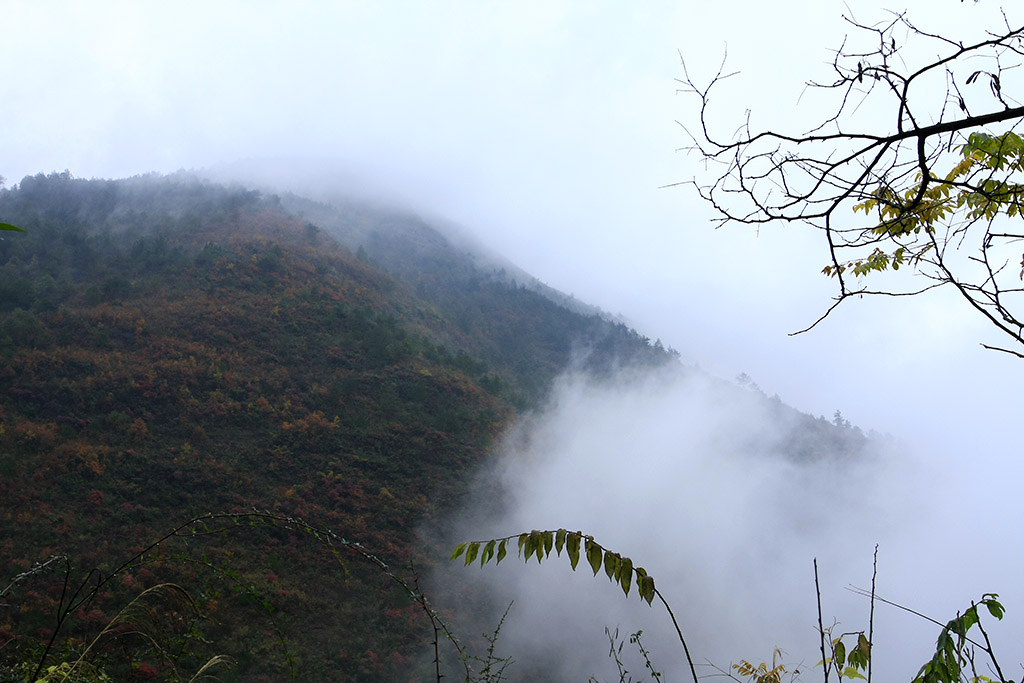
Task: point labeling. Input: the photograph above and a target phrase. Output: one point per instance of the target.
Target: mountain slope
(171, 347)
(525, 329)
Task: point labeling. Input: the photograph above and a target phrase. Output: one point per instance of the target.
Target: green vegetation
(170, 347)
(619, 569)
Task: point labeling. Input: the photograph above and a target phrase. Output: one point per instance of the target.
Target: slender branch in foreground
(871, 613)
(821, 623)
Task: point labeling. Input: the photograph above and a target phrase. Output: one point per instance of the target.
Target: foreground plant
(846, 655)
(161, 621)
(619, 569)
(140, 619)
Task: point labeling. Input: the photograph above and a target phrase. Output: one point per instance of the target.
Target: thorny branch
(893, 146)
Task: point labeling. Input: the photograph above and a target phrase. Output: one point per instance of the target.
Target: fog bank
(681, 472)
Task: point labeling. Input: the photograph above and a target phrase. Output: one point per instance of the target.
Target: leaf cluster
(954, 649)
(933, 202)
(762, 673)
(848, 662)
(539, 544)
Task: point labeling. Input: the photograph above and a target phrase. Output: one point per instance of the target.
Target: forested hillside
(170, 347)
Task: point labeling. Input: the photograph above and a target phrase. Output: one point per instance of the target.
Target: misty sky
(546, 129)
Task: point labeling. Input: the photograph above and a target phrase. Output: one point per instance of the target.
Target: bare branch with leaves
(898, 175)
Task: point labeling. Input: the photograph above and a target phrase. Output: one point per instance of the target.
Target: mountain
(171, 347)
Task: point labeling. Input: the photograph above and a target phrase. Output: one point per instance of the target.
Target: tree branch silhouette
(937, 170)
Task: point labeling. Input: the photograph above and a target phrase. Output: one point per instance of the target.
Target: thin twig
(771, 176)
(871, 614)
(821, 624)
(991, 652)
(679, 632)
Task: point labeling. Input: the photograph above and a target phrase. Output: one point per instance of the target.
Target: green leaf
(529, 546)
(537, 541)
(572, 547)
(995, 608)
(968, 620)
(487, 554)
(10, 228)
(850, 672)
(645, 586)
(471, 552)
(560, 540)
(459, 549)
(501, 551)
(840, 652)
(626, 575)
(864, 648)
(612, 562)
(522, 541)
(549, 542)
(593, 555)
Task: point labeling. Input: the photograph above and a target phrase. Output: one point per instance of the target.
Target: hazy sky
(546, 128)
(728, 529)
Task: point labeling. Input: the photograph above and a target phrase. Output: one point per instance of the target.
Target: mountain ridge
(171, 347)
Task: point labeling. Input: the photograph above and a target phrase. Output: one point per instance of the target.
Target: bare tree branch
(932, 179)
